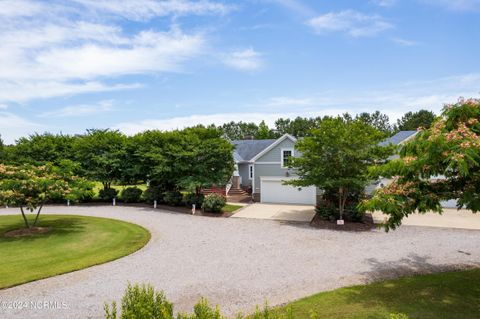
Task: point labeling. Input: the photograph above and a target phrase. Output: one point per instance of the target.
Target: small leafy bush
(202, 310)
(173, 198)
(214, 203)
(107, 194)
(141, 302)
(192, 198)
(153, 193)
(131, 195)
(398, 316)
(327, 210)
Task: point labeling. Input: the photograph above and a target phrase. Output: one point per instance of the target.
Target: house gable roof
(271, 146)
(245, 150)
(399, 138)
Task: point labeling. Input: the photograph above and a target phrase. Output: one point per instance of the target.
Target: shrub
(153, 193)
(141, 302)
(131, 194)
(192, 198)
(328, 207)
(107, 194)
(326, 210)
(173, 198)
(329, 211)
(214, 203)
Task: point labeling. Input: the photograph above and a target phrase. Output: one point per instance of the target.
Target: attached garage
(272, 190)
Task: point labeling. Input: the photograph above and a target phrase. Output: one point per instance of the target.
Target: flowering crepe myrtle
(441, 163)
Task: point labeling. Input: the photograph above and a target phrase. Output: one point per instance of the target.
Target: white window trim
(281, 155)
(251, 171)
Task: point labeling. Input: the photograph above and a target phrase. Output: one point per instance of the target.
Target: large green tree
(42, 148)
(264, 132)
(378, 120)
(411, 121)
(441, 163)
(2, 150)
(188, 159)
(102, 155)
(298, 127)
(336, 157)
(239, 130)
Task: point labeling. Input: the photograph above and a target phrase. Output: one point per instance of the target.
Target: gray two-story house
(261, 166)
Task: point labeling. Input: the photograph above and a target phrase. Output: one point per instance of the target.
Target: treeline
(302, 126)
(186, 159)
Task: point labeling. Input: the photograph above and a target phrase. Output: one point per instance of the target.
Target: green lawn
(444, 295)
(99, 186)
(229, 208)
(75, 242)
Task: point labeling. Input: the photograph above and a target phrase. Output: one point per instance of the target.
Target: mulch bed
(26, 232)
(366, 225)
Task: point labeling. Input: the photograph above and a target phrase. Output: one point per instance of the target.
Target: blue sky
(132, 65)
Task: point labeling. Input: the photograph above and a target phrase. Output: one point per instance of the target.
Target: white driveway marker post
(193, 209)
(68, 202)
(114, 201)
(155, 204)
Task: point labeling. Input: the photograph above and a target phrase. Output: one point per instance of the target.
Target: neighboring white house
(261, 167)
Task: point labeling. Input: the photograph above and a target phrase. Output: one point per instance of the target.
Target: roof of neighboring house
(398, 138)
(245, 150)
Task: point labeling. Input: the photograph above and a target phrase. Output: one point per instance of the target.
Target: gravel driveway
(238, 263)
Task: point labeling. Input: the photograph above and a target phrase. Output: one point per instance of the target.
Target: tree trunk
(340, 202)
(38, 214)
(24, 217)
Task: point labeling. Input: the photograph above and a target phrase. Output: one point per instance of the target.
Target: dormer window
(287, 153)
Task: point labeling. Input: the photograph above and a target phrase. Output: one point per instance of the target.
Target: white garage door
(273, 191)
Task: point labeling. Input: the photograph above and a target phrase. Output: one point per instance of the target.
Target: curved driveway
(238, 263)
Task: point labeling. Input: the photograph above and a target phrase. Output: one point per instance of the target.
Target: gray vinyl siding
(274, 155)
(276, 169)
(243, 172)
(268, 170)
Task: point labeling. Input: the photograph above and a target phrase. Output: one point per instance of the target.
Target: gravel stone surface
(238, 263)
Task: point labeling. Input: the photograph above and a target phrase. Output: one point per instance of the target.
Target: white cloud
(131, 128)
(3, 106)
(394, 101)
(244, 60)
(64, 49)
(285, 101)
(25, 90)
(19, 8)
(455, 5)
(404, 42)
(295, 6)
(384, 3)
(351, 22)
(80, 110)
(147, 9)
(13, 126)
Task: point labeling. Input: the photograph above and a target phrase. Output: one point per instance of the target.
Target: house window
(287, 153)
(250, 171)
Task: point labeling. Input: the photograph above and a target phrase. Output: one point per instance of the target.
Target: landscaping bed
(366, 224)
